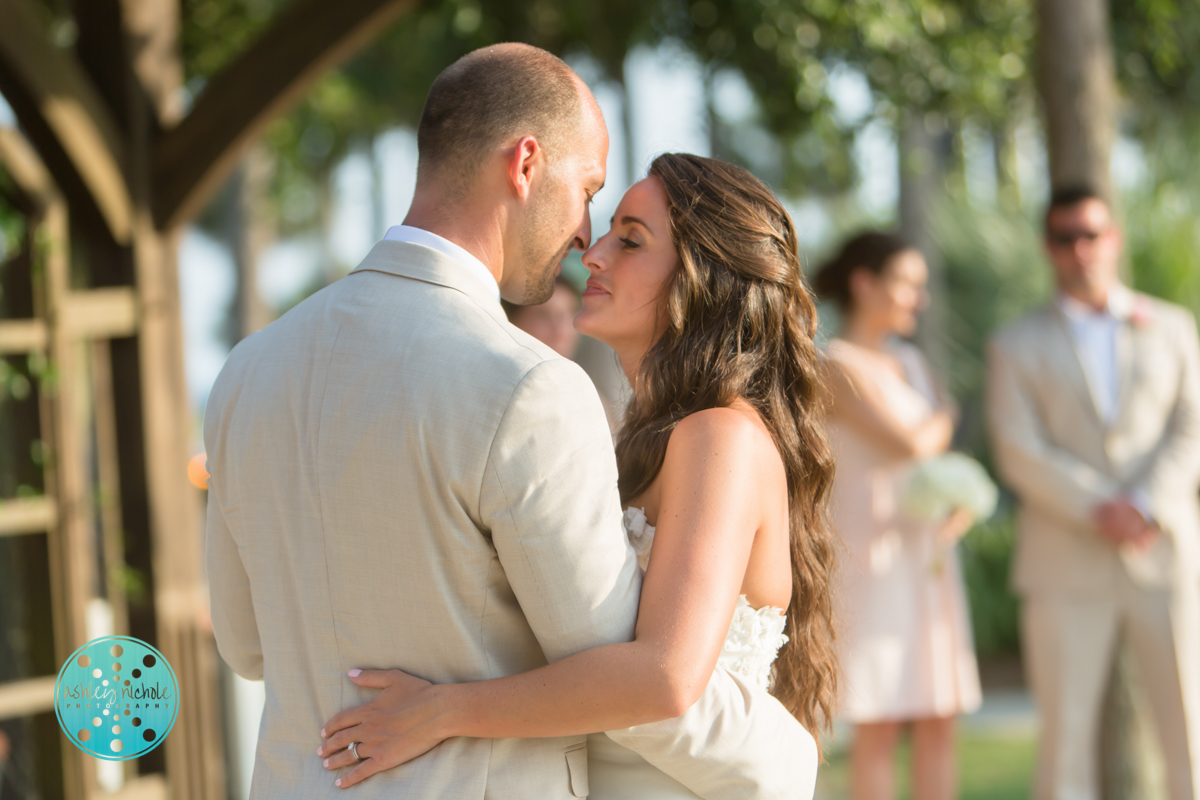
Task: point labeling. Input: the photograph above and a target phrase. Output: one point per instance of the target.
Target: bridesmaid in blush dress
(905, 647)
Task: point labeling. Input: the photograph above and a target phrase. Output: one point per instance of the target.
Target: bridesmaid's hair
(869, 250)
(740, 324)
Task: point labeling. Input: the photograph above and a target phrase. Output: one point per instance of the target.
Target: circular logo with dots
(116, 698)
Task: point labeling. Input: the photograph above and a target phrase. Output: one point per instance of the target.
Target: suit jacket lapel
(1060, 346)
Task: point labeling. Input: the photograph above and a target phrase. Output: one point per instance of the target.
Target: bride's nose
(593, 258)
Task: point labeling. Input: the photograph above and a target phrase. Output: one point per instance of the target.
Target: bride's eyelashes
(629, 244)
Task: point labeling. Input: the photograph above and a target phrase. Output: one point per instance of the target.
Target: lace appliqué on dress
(754, 638)
(641, 535)
(755, 635)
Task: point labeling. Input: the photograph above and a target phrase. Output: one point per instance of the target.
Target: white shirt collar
(1120, 305)
(407, 233)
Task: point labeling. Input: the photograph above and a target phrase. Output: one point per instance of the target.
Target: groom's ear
(528, 157)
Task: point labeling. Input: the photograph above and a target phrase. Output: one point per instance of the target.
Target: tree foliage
(1155, 41)
(955, 59)
(959, 59)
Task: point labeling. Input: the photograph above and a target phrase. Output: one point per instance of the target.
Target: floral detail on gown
(754, 638)
(755, 634)
(640, 533)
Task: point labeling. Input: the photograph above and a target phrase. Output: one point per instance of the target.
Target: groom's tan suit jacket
(1062, 459)
(400, 478)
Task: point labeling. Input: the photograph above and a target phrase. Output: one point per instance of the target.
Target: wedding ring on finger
(354, 751)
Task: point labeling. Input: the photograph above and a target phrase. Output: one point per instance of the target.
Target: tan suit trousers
(1070, 643)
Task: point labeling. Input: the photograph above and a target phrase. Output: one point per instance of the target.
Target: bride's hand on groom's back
(395, 727)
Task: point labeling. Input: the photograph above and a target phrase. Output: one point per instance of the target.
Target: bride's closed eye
(629, 244)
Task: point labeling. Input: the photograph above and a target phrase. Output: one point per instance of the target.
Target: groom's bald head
(492, 96)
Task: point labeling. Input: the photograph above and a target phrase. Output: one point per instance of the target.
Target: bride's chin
(587, 324)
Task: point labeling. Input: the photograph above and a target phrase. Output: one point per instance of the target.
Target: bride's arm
(709, 512)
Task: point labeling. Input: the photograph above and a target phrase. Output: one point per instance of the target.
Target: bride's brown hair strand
(740, 324)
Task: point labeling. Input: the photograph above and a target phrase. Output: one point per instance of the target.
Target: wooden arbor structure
(99, 528)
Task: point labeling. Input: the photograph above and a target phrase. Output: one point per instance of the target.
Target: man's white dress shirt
(407, 233)
(1094, 334)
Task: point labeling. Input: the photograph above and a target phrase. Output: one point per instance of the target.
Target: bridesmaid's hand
(397, 726)
(952, 529)
(956, 526)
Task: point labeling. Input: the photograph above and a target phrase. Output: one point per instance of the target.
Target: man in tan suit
(1094, 404)
(400, 478)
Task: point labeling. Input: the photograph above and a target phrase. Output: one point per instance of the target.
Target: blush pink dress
(904, 633)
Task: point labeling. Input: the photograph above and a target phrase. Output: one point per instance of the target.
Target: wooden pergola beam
(70, 107)
(26, 697)
(26, 168)
(20, 336)
(310, 37)
(27, 515)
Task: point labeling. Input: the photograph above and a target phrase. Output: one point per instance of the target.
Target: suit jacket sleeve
(1175, 468)
(234, 625)
(231, 606)
(549, 498)
(1041, 474)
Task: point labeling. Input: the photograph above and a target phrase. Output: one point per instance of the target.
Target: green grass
(990, 767)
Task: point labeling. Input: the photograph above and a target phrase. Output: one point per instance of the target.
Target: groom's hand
(395, 727)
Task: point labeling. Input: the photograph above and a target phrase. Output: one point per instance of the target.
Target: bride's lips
(594, 289)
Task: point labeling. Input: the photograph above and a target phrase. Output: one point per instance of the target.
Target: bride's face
(623, 304)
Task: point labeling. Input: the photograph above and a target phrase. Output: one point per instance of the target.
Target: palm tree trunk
(1078, 89)
(922, 173)
(627, 128)
(251, 231)
(1008, 182)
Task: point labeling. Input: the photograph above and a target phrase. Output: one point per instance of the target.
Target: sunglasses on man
(1062, 238)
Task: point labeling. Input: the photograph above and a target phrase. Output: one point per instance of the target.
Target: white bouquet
(942, 490)
(940, 486)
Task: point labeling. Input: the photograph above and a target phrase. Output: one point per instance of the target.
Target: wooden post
(64, 512)
(1077, 83)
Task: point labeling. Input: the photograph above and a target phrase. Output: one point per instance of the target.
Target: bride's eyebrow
(625, 220)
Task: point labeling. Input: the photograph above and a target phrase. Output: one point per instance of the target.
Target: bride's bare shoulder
(728, 432)
(723, 461)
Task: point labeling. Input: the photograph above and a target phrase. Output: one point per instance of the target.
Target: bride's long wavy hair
(740, 324)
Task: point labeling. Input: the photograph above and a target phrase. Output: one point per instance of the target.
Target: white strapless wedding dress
(751, 645)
